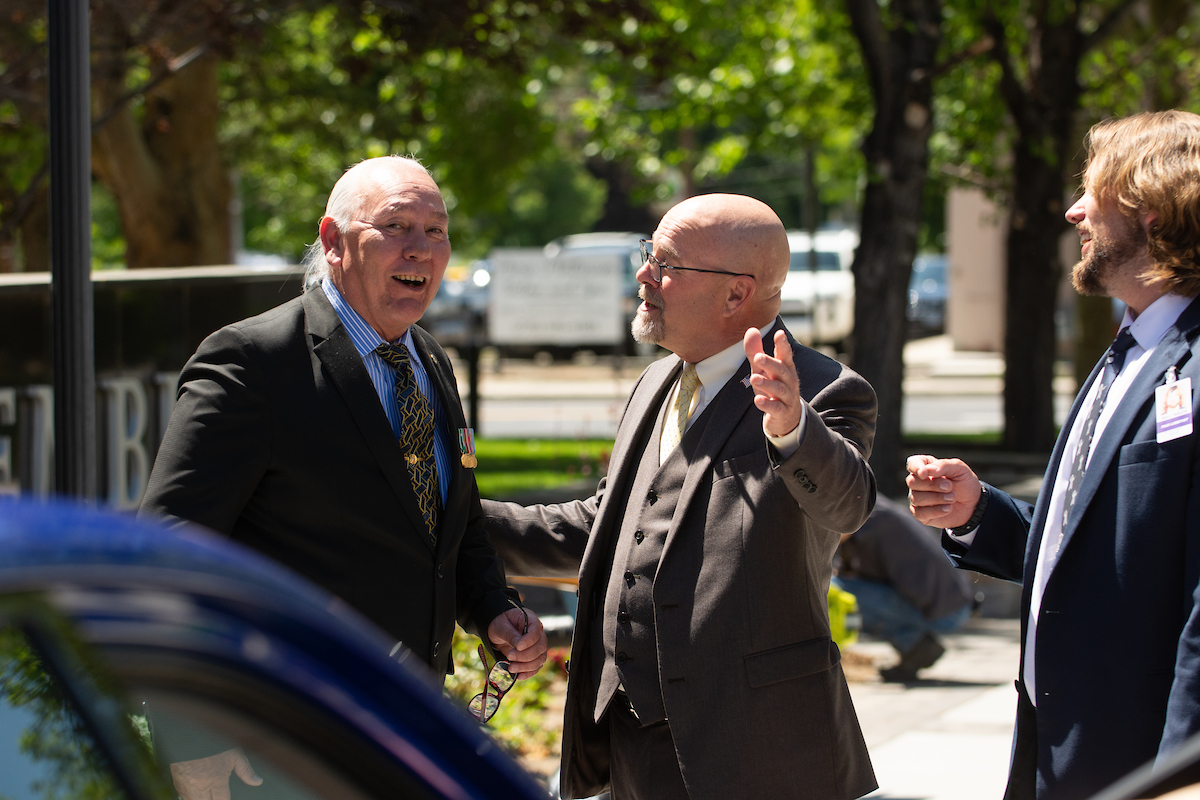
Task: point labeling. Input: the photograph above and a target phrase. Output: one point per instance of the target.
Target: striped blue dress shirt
(383, 377)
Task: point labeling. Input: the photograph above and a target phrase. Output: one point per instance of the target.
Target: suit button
(622, 658)
(436, 645)
(801, 476)
(630, 578)
(652, 497)
(639, 536)
(440, 571)
(622, 616)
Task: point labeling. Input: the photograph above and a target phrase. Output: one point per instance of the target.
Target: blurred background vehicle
(818, 296)
(623, 246)
(103, 618)
(457, 317)
(927, 292)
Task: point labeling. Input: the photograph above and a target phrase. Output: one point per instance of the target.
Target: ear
(739, 292)
(1149, 220)
(332, 240)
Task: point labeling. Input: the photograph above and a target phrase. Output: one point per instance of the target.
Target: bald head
(735, 233)
(356, 184)
(731, 254)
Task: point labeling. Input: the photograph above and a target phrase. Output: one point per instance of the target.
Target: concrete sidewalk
(946, 736)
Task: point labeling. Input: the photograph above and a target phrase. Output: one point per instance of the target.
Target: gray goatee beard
(646, 329)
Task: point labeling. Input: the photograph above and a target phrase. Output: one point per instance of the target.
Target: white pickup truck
(818, 299)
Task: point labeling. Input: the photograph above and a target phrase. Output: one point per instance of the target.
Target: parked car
(124, 646)
(927, 293)
(817, 300)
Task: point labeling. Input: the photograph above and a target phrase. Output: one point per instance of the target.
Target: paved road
(948, 735)
(945, 392)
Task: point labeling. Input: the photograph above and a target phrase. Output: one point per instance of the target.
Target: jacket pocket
(791, 661)
(1141, 452)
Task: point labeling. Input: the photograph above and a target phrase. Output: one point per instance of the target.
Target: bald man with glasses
(702, 664)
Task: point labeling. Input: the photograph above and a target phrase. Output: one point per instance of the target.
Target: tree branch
(873, 40)
(171, 67)
(1106, 24)
(975, 49)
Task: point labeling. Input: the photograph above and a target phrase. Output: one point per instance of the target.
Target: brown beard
(1092, 275)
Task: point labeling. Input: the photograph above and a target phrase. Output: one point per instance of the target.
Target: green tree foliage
(699, 88)
(1011, 121)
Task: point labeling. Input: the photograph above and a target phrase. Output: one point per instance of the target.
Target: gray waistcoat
(626, 641)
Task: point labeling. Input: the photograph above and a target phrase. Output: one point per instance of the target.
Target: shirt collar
(716, 370)
(1152, 324)
(364, 337)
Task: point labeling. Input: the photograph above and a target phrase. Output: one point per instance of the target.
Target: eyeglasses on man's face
(657, 267)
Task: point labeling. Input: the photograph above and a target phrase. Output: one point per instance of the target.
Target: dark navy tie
(1112, 366)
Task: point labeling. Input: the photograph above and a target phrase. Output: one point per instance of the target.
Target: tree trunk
(1043, 108)
(164, 169)
(900, 61)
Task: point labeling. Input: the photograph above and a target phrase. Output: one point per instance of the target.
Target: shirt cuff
(789, 443)
(965, 540)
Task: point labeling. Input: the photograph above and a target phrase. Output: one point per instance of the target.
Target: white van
(818, 300)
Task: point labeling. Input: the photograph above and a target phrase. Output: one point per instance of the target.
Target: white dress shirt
(714, 372)
(1148, 330)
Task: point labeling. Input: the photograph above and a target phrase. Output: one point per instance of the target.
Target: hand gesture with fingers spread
(775, 382)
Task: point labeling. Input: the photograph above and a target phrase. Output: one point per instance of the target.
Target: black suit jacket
(1118, 639)
(278, 440)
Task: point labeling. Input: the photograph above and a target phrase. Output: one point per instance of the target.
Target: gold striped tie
(416, 434)
(676, 422)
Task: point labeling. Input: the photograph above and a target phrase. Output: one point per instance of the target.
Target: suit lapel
(344, 366)
(1041, 509)
(1173, 350)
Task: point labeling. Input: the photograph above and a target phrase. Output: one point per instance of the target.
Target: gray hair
(343, 207)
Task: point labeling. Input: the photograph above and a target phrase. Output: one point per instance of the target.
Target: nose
(1075, 214)
(417, 246)
(645, 273)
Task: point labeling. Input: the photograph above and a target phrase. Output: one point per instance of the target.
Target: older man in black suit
(328, 433)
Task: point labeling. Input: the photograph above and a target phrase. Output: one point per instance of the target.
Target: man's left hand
(775, 382)
(525, 651)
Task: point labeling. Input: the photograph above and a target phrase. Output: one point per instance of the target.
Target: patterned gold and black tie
(416, 434)
(677, 417)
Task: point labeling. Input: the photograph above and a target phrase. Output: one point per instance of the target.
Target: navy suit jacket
(1117, 665)
(278, 440)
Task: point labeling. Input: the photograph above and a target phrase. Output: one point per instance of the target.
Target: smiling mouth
(410, 280)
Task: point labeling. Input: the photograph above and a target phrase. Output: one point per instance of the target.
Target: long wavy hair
(1151, 163)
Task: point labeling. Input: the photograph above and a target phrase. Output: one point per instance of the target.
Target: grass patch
(985, 439)
(511, 466)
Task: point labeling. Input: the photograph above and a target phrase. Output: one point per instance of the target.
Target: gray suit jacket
(279, 441)
(752, 683)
